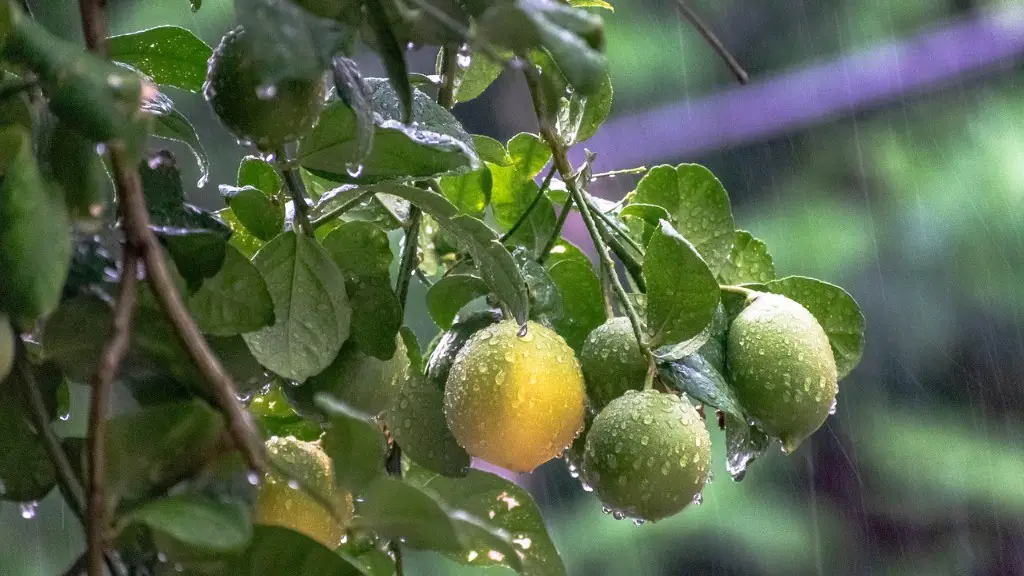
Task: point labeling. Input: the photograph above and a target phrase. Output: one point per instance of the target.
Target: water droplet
(638, 521)
(832, 408)
(618, 514)
(28, 509)
(354, 169)
(698, 499)
(253, 478)
(161, 557)
(266, 91)
(472, 555)
(293, 484)
(101, 149)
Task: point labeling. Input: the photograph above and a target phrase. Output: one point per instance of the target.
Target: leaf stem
(633, 266)
(407, 263)
(529, 209)
(449, 73)
(557, 232)
(317, 223)
(738, 290)
(622, 172)
(137, 229)
(297, 190)
(561, 160)
(713, 41)
(99, 405)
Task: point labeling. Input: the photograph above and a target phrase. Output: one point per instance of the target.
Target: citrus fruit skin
(647, 454)
(6, 347)
(515, 401)
(281, 505)
(782, 367)
(266, 116)
(612, 362)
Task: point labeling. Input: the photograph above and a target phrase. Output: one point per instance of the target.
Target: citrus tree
(282, 419)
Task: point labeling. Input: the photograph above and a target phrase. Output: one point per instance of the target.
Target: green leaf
(393, 56)
(277, 551)
(744, 443)
(582, 298)
(592, 4)
(418, 424)
(469, 192)
(363, 254)
(511, 194)
(311, 308)
(350, 87)
(363, 382)
(354, 442)
(643, 218)
(714, 349)
(505, 506)
(545, 298)
(241, 239)
(74, 165)
(195, 239)
(258, 173)
(449, 294)
(151, 450)
(234, 301)
(275, 416)
(195, 5)
(399, 511)
(579, 120)
(199, 523)
(63, 340)
(748, 262)
(472, 80)
(682, 293)
(836, 311)
(701, 381)
(448, 347)
(698, 205)
(35, 244)
(261, 215)
(529, 154)
(574, 37)
(169, 55)
(433, 144)
(491, 151)
(26, 471)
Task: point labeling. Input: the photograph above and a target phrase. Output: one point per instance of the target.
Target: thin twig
(606, 291)
(317, 223)
(449, 72)
(561, 159)
(137, 228)
(99, 403)
(632, 265)
(622, 172)
(556, 232)
(713, 41)
(614, 226)
(533, 204)
(408, 264)
(297, 190)
(422, 276)
(738, 290)
(66, 477)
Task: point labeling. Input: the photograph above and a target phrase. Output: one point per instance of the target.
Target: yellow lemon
(515, 401)
(282, 505)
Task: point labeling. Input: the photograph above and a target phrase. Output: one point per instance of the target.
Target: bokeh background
(880, 146)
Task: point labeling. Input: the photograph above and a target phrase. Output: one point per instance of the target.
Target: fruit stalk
(297, 190)
(561, 161)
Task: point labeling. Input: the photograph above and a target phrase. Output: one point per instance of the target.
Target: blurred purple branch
(817, 93)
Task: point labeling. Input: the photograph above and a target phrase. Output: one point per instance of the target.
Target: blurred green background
(914, 202)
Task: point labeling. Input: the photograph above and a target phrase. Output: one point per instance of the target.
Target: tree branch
(96, 519)
(713, 41)
(561, 160)
(137, 228)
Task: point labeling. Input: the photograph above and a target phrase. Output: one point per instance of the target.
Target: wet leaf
(582, 299)
(234, 301)
(449, 294)
(836, 311)
(169, 55)
(354, 442)
(258, 173)
(545, 298)
(748, 262)
(261, 215)
(695, 376)
(744, 443)
(279, 551)
(698, 205)
(682, 293)
(311, 308)
(399, 511)
(26, 472)
(196, 522)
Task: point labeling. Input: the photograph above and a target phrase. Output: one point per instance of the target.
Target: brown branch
(137, 229)
(713, 41)
(114, 351)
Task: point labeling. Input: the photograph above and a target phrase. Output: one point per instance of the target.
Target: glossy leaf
(473, 79)
(582, 308)
(74, 165)
(241, 239)
(196, 522)
(311, 308)
(354, 442)
(490, 150)
(363, 382)
(363, 254)
(682, 293)
(397, 510)
(836, 311)
(744, 443)
(449, 294)
(234, 301)
(168, 55)
(433, 144)
(33, 271)
(545, 298)
(698, 206)
(277, 551)
(749, 261)
(261, 215)
(696, 377)
(353, 91)
(258, 173)
(26, 471)
(469, 192)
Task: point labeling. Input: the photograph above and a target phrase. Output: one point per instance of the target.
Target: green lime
(612, 362)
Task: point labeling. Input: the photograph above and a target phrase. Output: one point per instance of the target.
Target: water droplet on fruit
(28, 509)
(266, 91)
(293, 484)
(832, 408)
(253, 478)
(698, 499)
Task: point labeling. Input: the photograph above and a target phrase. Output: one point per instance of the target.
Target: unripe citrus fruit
(281, 505)
(782, 367)
(515, 401)
(612, 362)
(647, 455)
(265, 115)
(6, 347)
